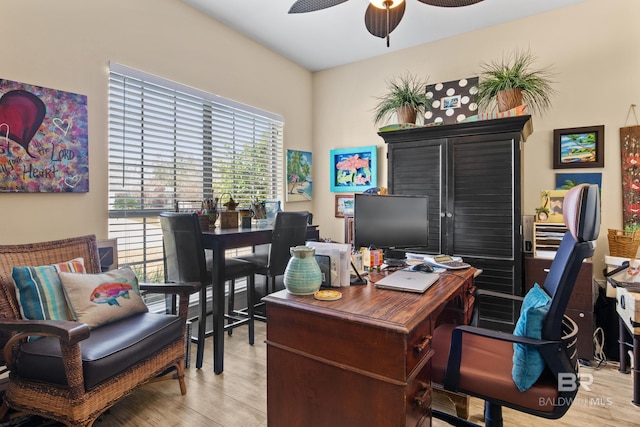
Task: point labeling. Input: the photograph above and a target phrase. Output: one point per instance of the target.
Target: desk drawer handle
(422, 398)
(423, 344)
(546, 270)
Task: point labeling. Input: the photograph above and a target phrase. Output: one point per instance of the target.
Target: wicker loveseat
(74, 373)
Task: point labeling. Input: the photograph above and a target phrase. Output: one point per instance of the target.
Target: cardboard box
(229, 219)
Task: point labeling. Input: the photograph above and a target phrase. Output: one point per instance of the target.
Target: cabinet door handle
(424, 342)
(422, 398)
(546, 270)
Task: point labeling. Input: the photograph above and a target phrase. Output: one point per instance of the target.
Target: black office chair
(290, 229)
(185, 260)
(479, 362)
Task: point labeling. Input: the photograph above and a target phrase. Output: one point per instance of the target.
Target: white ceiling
(337, 35)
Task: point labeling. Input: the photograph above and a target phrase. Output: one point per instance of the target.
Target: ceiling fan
(382, 16)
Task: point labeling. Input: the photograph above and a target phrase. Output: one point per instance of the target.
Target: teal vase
(302, 275)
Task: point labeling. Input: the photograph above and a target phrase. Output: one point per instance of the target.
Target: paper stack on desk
(340, 255)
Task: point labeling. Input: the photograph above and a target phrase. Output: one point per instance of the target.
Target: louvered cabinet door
(484, 226)
(419, 169)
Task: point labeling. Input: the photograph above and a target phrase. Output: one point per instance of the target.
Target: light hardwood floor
(237, 398)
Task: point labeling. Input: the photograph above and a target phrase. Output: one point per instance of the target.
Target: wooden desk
(219, 241)
(363, 360)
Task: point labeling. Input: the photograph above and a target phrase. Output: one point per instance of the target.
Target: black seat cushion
(233, 267)
(109, 350)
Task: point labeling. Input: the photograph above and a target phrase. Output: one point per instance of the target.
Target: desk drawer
(419, 397)
(418, 344)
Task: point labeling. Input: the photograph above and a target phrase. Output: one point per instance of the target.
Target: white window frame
(171, 146)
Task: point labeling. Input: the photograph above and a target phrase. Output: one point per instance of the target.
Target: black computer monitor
(391, 221)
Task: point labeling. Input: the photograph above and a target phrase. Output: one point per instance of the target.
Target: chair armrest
(69, 334)
(66, 330)
(455, 353)
(502, 336)
(171, 288)
(479, 293)
(182, 289)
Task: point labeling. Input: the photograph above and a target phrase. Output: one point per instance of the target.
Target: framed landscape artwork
(344, 205)
(565, 181)
(578, 147)
(354, 169)
(299, 176)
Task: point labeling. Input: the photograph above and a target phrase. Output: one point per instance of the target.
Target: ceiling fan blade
(376, 19)
(304, 6)
(450, 3)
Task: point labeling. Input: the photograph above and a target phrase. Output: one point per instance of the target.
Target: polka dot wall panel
(453, 101)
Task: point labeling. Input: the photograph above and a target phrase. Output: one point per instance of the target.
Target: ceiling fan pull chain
(387, 3)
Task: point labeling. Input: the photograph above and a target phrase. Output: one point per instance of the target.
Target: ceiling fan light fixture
(382, 4)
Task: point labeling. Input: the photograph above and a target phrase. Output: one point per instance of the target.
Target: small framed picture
(344, 205)
(578, 147)
(553, 201)
(451, 102)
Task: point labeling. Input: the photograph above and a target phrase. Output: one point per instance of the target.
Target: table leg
(202, 325)
(622, 346)
(636, 370)
(218, 307)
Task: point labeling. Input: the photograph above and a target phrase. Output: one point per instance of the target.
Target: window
(171, 146)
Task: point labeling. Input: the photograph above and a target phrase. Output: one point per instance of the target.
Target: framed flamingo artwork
(354, 169)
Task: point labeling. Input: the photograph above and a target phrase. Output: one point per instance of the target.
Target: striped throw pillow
(39, 290)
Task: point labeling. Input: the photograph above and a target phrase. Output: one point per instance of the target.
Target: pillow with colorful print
(98, 299)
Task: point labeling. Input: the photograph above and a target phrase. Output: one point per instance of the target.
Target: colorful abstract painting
(354, 169)
(299, 178)
(43, 140)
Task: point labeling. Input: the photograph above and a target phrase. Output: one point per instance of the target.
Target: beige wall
(67, 45)
(593, 48)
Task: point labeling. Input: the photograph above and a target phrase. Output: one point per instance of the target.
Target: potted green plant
(406, 96)
(512, 81)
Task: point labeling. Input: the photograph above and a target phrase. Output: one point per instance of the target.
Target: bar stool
(290, 229)
(186, 261)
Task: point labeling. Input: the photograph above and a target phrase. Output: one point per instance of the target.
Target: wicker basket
(622, 244)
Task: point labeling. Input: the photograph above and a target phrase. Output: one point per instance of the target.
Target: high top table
(362, 360)
(219, 241)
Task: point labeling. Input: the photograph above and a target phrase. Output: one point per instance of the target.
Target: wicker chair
(76, 400)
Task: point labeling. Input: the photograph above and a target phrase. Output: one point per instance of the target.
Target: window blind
(171, 146)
